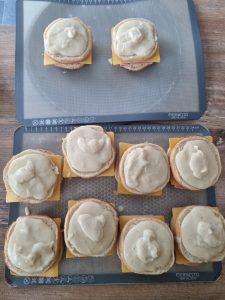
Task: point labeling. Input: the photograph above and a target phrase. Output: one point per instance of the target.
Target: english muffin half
(146, 246)
(195, 163)
(144, 169)
(134, 41)
(88, 150)
(200, 234)
(32, 245)
(91, 228)
(31, 175)
(68, 41)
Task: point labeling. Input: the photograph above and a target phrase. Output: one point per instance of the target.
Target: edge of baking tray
(106, 118)
(97, 279)
(110, 279)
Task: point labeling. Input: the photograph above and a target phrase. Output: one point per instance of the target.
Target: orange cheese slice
(120, 188)
(117, 61)
(68, 173)
(54, 270)
(172, 143)
(49, 61)
(68, 253)
(122, 222)
(57, 159)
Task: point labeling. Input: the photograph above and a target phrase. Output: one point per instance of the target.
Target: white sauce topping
(148, 247)
(31, 245)
(203, 233)
(205, 236)
(88, 149)
(197, 163)
(32, 175)
(91, 229)
(145, 169)
(135, 37)
(67, 38)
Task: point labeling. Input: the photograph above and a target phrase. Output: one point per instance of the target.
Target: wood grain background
(211, 16)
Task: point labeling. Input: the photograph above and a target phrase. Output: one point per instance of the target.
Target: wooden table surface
(211, 16)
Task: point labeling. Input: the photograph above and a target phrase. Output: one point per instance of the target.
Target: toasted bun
(176, 227)
(117, 163)
(68, 62)
(25, 152)
(90, 174)
(69, 216)
(123, 234)
(72, 66)
(57, 247)
(121, 168)
(172, 155)
(136, 67)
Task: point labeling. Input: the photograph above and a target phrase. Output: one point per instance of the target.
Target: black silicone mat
(106, 270)
(174, 89)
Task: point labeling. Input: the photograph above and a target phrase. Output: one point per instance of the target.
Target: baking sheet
(172, 89)
(107, 269)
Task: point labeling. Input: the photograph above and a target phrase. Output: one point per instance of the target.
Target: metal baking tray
(174, 89)
(106, 270)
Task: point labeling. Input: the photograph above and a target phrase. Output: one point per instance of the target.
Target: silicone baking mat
(107, 269)
(173, 89)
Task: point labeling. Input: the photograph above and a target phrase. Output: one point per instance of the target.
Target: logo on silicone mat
(187, 276)
(178, 116)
